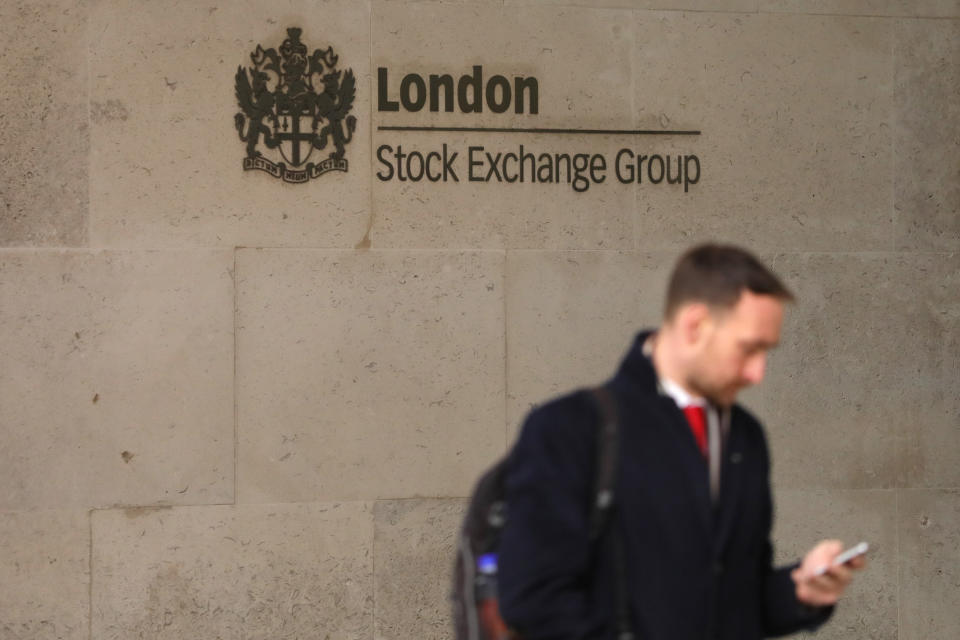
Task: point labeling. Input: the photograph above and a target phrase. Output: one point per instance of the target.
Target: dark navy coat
(693, 571)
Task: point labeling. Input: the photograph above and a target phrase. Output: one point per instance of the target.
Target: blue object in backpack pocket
(487, 563)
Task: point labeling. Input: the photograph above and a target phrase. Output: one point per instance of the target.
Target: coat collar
(637, 379)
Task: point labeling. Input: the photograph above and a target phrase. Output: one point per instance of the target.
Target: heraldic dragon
(274, 115)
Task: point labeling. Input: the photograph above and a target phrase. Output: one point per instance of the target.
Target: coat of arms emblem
(293, 104)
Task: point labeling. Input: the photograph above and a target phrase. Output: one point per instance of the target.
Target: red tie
(697, 417)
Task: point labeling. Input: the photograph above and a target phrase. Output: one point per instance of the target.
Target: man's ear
(693, 321)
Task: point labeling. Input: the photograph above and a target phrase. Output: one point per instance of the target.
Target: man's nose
(755, 367)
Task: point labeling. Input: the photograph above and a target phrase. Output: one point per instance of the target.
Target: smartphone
(853, 552)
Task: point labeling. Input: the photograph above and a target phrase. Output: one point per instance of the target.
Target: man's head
(723, 314)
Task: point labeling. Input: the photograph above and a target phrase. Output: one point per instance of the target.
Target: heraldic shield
(293, 104)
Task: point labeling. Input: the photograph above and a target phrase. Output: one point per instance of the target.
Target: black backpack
(476, 611)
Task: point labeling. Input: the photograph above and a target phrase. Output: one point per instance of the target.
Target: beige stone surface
(803, 518)
(116, 384)
(927, 134)
(491, 2)
(571, 315)
(511, 41)
(44, 575)
(414, 547)
(255, 571)
(584, 79)
(862, 392)
(749, 6)
(795, 120)
(375, 374)
(44, 131)
(166, 157)
(909, 8)
(929, 530)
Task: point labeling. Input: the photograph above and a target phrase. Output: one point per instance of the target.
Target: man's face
(733, 347)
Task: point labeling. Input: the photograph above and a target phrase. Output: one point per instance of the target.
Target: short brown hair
(716, 275)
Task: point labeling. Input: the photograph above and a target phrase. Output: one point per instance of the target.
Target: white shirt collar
(681, 396)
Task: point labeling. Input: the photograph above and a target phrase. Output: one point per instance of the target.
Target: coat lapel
(694, 469)
(731, 478)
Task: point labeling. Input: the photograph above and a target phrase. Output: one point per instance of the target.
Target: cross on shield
(296, 129)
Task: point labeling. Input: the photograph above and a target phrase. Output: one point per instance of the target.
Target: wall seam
(370, 213)
(368, 244)
(828, 14)
(892, 182)
(90, 575)
(236, 395)
(457, 250)
(896, 512)
(506, 356)
(635, 212)
(765, 388)
(373, 566)
(89, 43)
(616, 7)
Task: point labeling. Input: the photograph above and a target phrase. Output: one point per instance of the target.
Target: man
(693, 506)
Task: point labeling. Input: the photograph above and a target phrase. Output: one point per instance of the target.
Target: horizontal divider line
(630, 132)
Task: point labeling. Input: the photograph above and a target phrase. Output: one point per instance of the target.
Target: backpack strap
(608, 458)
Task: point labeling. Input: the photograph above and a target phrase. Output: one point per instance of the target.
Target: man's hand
(825, 589)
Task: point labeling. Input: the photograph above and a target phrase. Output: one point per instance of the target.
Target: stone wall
(232, 407)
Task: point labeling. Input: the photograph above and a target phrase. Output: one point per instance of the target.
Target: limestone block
(414, 546)
(869, 606)
(571, 316)
(580, 59)
(43, 124)
(166, 166)
(44, 575)
(255, 571)
(795, 120)
(929, 564)
(927, 135)
(908, 8)
(862, 392)
(116, 384)
(367, 374)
